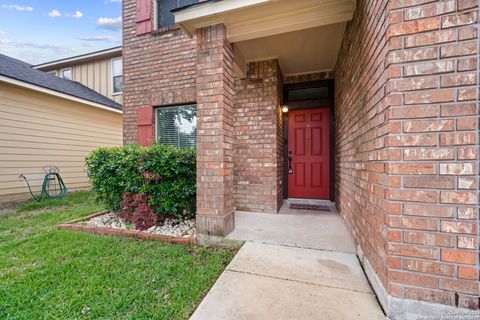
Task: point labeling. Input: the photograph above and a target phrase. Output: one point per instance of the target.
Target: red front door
(309, 153)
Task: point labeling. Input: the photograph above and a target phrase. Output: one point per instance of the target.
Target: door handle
(290, 158)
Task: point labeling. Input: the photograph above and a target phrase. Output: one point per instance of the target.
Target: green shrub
(165, 175)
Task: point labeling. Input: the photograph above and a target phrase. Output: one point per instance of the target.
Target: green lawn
(46, 273)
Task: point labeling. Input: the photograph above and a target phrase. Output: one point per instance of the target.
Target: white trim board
(80, 57)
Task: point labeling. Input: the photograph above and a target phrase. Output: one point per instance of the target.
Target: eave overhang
(251, 19)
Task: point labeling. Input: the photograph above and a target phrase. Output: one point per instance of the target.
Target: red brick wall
(259, 138)
(361, 126)
(158, 69)
(215, 90)
(407, 148)
(433, 250)
(326, 75)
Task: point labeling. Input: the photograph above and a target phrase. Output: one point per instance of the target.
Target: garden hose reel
(53, 186)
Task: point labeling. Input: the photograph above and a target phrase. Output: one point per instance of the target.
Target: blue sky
(37, 31)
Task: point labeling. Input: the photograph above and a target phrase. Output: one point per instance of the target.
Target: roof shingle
(22, 71)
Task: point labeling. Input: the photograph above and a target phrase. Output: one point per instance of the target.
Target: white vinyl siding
(97, 75)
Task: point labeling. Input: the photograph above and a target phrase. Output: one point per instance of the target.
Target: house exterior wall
(361, 124)
(407, 148)
(160, 69)
(259, 138)
(37, 130)
(406, 136)
(97, 75)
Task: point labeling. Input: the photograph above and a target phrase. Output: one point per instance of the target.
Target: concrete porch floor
(295, 228)
(298, 264)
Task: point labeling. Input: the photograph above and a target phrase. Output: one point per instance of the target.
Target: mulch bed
(76, 225)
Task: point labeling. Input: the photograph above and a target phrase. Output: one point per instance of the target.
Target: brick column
(215, 88)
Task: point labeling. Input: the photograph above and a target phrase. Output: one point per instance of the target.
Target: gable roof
(24, 72)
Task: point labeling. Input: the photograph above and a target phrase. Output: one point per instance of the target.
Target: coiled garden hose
(53, 186)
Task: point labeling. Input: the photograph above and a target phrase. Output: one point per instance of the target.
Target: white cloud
(114, 24)
(77, 14)
(2, 33)
(113, 1)
(17, 7)
(28, 44)
(100, 38)
(37, 52)
(54, 13)
(30, 55)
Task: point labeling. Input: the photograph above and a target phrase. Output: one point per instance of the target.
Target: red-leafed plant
(135, 210)
(127, 207)
(143, 217)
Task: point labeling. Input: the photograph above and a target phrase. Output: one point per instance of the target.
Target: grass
(47, 273)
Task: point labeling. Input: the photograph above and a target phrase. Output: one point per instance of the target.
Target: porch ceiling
(303, 51)
(305, 35)
(251, 19)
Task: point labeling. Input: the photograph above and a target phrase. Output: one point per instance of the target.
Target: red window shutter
(144, 16)
(145, 125)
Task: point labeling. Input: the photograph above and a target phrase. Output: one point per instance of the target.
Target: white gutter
(57, 94)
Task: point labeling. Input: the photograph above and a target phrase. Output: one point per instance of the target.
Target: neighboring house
(100, 71)
(46, 120)
(371, 104)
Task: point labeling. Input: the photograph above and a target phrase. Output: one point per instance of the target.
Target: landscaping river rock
(170, 227)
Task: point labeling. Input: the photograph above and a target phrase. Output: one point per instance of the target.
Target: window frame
(112, 78)
(65, 69)
(155, 131)
(155, 15)
(155, 18)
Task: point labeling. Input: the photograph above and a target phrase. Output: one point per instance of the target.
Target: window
(163, 7)
(176, 126)
(53, 72)
(117, 74)
(66, 73)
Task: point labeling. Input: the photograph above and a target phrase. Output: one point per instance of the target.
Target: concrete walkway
(293, 265)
